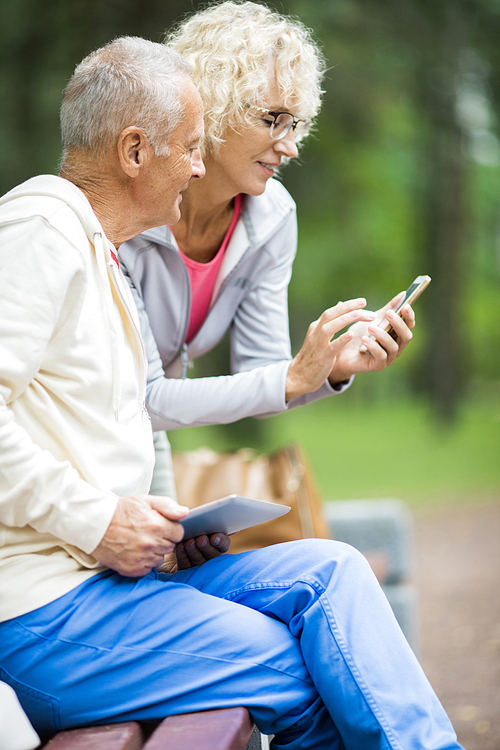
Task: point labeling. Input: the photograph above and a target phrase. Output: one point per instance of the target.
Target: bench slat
(222, 729)
(125, 736)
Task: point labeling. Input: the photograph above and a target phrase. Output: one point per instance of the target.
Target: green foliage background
(401, 177)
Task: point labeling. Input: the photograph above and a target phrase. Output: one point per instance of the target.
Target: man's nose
(198, 168)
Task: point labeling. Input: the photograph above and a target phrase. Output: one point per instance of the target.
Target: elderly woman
(227, 263)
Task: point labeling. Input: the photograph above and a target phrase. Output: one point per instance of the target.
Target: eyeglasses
(282, 122)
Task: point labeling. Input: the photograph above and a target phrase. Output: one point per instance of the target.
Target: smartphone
(412, 293)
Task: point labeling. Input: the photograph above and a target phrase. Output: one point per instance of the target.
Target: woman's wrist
(338, 385)
(338, 378)
(292, 389)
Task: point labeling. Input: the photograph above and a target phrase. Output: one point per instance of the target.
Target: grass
(378, 449)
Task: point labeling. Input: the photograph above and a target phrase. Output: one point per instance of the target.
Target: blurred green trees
(409, 162)
(400, 177)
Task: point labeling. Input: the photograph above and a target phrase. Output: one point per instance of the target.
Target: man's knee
(317, 559)
(328, 551)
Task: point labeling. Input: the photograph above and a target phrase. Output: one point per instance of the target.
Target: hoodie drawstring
(105, 263)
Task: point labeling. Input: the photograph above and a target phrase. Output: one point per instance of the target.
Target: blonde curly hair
(232, 48)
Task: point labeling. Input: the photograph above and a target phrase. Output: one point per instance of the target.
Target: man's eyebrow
(196, 138)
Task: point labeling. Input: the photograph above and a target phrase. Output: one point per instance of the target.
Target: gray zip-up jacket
(250, 296)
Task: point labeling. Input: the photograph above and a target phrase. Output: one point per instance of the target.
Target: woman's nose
(287, 146)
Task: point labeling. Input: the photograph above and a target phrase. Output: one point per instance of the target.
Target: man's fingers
(171, 513)
(167, 507)
(204, 548)
(183, 560)
(144, 529)
(137, 568)
(195, 549)
(221, 542)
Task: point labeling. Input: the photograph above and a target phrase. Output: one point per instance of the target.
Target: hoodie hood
(58, 188)
(50, 186)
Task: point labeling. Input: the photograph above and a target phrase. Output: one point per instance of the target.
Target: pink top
(202, 277)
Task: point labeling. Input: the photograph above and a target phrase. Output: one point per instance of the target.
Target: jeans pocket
(42, 709)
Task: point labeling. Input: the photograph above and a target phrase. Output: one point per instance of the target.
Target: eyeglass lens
(284, 122)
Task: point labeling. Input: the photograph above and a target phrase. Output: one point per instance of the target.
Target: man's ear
(134, 150)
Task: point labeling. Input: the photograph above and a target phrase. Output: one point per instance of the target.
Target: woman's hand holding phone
(398, 303)
(312, 365)
(373, 341)
(372, 349)
(376, 345)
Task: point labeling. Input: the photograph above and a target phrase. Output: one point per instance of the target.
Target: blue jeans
(300, 633)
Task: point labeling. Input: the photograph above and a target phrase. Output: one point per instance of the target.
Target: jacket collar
(260, 213)
(161, 235)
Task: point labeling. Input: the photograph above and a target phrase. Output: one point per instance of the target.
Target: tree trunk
(445, 220)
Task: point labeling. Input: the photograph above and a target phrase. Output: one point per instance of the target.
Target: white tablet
(230, 514)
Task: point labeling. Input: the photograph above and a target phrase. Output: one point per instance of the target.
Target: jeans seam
(42, 637)
(81, 644)
(323, 601)
(362, 687)
(274, 585)
(50, 702)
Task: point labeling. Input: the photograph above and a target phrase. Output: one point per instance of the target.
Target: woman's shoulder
(277, 191)
(270, 221)
(274, 196)
(272, 209)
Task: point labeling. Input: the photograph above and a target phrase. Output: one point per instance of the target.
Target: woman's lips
(269, 168)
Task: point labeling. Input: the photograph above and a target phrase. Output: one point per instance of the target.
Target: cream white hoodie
(74, 432)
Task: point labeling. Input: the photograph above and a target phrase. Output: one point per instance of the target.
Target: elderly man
(90, 631)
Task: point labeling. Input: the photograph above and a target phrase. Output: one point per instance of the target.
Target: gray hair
(130, 81)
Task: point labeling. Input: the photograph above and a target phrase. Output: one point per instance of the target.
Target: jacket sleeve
(260, 331)
(175, 402)
(260, 359)
(36, 489)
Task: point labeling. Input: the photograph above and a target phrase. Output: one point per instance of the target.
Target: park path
(458, 579)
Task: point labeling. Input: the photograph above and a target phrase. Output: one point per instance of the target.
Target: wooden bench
(223, 729)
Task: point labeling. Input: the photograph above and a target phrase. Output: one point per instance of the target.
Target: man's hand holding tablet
(229, 515)
(206, 528)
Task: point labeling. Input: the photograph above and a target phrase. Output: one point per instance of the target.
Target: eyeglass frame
(293, 124)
